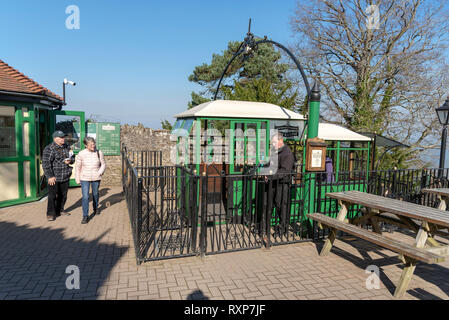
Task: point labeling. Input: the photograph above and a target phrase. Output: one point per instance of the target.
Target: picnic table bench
(442, 194)
(379, 209)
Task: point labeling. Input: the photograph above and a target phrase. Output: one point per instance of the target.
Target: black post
(138, 231)
(443, 151)
(203, 221)
(63, 92)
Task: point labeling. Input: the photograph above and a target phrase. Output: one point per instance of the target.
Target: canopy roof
(382, 141)
(329, 132)
(240, 109)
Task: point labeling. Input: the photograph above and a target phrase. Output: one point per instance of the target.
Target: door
(248, 148)
(43, 138)
(73, 124)
(248, 144)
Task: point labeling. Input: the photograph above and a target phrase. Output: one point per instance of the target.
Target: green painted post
(312, 132)
(337, 165)
(314, 112)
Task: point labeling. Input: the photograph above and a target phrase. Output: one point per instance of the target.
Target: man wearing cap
(55, 162)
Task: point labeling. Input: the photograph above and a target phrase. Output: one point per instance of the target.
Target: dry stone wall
(137, 138)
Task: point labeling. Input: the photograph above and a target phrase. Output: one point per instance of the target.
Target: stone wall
(137, 138)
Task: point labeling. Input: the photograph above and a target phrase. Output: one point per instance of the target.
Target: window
(187, 124)
(177, 124)
(7, 132)
(71, 126)
(245, 145)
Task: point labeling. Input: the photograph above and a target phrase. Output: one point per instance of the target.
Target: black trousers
(57, 197)
(281, 203)
(276, 194)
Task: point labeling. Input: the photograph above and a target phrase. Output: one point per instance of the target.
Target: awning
(241, 110)
(333, 132)
(382, 141)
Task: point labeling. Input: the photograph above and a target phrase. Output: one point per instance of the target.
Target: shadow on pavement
(197, 295)
(33, 263)
(104, 202)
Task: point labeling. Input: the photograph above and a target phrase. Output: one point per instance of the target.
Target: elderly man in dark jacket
(280, 171)
(55, 162)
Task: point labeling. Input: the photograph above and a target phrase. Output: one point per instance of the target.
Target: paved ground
(35, 254)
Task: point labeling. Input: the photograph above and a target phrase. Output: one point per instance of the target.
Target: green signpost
(107, 135)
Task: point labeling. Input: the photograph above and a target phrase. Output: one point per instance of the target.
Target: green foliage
(259, 77)
(261, 90)
(197, 100)
(264, 63)
(399, 158)
(166, 125)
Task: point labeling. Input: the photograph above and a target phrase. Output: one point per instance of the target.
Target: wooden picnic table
(442, 194)
(426, 222)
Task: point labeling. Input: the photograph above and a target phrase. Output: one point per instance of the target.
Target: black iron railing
(174, 212)
(132, 188)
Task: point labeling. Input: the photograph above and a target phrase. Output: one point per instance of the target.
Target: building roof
(240, 109)
(12, 80)
(330, 132)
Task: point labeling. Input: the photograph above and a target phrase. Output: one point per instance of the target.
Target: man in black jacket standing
(282, 162)
(55, 162)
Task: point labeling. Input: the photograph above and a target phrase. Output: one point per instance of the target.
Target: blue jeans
(85, 186)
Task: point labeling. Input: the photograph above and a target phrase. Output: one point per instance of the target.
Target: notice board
(107, 135)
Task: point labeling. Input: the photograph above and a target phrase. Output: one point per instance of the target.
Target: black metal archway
(249, 45)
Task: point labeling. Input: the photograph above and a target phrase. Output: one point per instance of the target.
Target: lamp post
(443, 117)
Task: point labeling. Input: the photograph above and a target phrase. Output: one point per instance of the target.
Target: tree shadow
(434, 273)
(197, 295)
(33, 263)
(423, 294)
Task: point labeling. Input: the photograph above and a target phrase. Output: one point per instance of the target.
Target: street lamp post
(443, 117)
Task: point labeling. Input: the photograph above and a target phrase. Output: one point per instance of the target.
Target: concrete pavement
(35, 255)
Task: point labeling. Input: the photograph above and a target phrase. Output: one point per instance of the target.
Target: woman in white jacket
(89, 167)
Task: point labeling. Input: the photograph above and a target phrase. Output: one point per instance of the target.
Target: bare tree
(381, 64)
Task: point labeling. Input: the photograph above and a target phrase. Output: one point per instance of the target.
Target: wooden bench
(406, 249)
(442, 195)
(376, 209)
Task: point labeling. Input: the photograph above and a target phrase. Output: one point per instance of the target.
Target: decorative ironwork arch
(249, 45)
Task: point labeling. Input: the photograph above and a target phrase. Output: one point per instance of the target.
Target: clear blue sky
(130, 59)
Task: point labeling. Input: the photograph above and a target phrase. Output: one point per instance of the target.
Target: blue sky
(130, 59)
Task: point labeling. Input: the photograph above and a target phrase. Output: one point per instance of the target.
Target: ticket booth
(29, 114)
(228, 141)
(227, 137)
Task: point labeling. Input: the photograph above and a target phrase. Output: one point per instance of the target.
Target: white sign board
(316, 158)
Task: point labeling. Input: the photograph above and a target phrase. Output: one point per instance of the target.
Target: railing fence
(176, 213)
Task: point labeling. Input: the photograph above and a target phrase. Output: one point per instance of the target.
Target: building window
(7, 132)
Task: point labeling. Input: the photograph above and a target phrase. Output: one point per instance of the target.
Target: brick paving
(35, 254)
